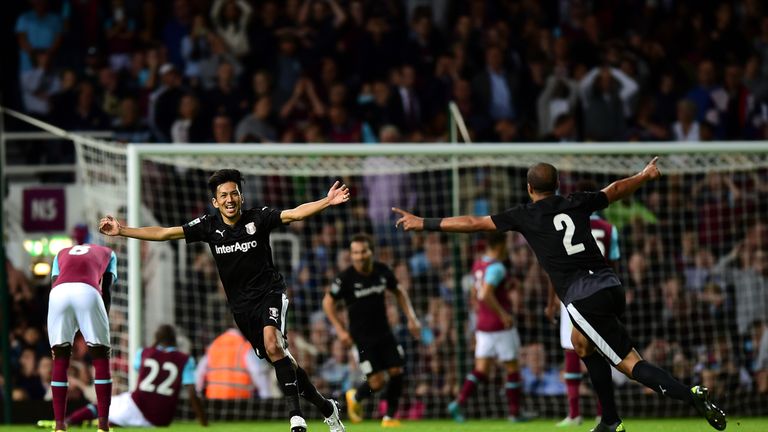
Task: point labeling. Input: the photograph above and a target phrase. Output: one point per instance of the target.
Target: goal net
(692, 260)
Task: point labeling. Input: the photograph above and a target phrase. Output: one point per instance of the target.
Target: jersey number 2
(148, 383)
(563, 221)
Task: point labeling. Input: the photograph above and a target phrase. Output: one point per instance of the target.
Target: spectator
(120, 30)
(38, 29)
(539, 379)
(230, 19)
(38, 85)
(255, 127)
(408, 103)
(129, 127)
(761, 362)
(87, 115)
(222, 130)
(224, 98)
(495, 89)
(189, 126)
(559, 97)
(196, 47)
(686, 128)
(606, 94)
(164, 103)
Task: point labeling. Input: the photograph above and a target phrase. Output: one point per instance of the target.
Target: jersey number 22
(148, 383)
(564, 222)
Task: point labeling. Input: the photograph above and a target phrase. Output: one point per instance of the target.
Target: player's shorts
(566, 326)
(380, 354)
(599, 318)
(77, 306)
(269, 313)
(124, 412)
(503, 345)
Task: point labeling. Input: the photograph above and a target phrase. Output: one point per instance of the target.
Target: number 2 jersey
(163, 371)
(558, 230)
(242, 254)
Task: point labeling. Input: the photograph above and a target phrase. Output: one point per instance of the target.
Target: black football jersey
(242, 254)
(559, 232)
(363, 296)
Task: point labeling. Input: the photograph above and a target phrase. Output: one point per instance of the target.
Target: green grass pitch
(744, 424)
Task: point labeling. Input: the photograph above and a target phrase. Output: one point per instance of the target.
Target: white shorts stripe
(566, 326)
(594, 336)
(282, 314)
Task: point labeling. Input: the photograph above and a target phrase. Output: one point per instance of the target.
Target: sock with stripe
(308, 391)
(288, 380)
(602, 382)
(59, 386)
(470, 384)
(572, 382)
(660, 381)
(512, 389)
(103, 383)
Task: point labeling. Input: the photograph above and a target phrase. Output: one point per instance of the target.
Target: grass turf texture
(744, 424)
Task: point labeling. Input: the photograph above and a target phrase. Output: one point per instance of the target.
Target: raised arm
(110, 226)
(338, 194)
(623, 188)
(463, 224)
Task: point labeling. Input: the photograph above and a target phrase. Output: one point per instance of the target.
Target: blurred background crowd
(349, 71)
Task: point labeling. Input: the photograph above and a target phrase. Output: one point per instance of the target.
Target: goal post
(432, 180)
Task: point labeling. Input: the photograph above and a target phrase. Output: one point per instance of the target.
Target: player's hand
(338, 194)
(346, 339)
(651, 171)
(409, 221)
(414, 326)
(507, 320)
(108, 225)
(549, 312)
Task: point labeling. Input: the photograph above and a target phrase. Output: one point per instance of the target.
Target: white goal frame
(137, 152)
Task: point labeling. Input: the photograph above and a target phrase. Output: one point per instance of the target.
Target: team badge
(273, 313)
(250, 228)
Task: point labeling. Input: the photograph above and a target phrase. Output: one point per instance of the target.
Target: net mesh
(692, 261)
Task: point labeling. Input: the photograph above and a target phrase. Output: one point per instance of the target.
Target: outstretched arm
(623, 188)
(463, 224)
(336, 195)
(110, 226)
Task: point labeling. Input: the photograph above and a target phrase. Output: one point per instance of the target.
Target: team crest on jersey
(250, 228)
(273, 313)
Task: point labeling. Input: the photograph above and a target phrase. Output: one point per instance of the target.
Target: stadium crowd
(369, 71)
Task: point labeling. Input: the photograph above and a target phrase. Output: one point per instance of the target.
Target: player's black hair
(363, 238)
(224, 176)
(495, 239)
(543, 178)
(165, 335)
